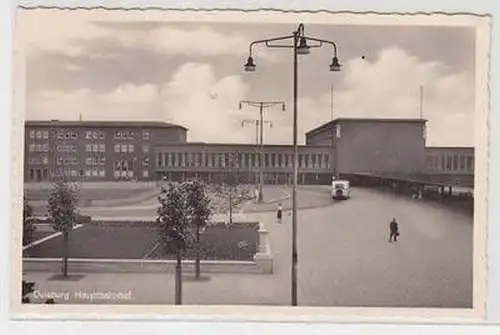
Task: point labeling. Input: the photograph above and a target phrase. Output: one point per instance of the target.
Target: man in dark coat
(394, 231)
(279, 214)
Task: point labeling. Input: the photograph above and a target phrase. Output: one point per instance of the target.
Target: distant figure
(279, 214)
(394, 231)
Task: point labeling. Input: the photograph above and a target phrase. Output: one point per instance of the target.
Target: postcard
(250, 165)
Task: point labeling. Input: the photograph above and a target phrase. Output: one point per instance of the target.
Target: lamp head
(335, 65)
(303, 48)
(283, 108)
(250, 65)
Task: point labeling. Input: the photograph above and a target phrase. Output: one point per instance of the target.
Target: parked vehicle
(341, 189)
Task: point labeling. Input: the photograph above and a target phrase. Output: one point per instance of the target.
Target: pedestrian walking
(279, 214)
(393, 231)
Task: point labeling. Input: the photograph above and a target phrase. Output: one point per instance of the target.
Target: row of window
(38, 147)
(68, 160)
(130, 135)
(450, 162)
(129, 174)
(89, 135)
(39, 134)
(66, 148)
(88, 148)
(95, 147)
(42, 160)
(94, 135)
(243, 160)
(125, 165)
(95, 160)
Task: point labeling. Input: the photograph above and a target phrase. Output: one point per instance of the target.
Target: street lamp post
(300, 47)
(261, 105)
(257, 127)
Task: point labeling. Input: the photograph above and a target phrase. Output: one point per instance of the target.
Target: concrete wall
(379, 147)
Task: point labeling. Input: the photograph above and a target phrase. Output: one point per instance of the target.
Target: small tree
(62, 208)
(28, 223)
(198, 210)
(27, 288)
(174, 230)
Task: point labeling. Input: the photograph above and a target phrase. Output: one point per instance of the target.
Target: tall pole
(421, 101)
(262, 105)
(261, 165)
(295, 172)
(335, 66)
(334, 149)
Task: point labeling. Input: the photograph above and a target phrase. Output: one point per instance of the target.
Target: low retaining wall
(78, 265)
(262, 262)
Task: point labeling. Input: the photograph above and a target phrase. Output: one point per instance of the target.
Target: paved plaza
(344, 258)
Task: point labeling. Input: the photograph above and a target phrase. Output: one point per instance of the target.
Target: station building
(94, 150)
(112, 151)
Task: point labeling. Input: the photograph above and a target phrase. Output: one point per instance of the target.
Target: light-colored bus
(341, 189)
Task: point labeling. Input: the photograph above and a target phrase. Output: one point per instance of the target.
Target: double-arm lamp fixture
(300, 46)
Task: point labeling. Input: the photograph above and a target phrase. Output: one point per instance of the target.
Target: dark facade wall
(379, 147)
(40, 163)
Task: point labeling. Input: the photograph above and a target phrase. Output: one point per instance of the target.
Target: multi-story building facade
(107, 151)
(94, 150)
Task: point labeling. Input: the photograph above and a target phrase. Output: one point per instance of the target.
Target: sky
(192, 74)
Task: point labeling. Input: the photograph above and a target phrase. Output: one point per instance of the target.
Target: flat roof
(371, 120)
(102, 124)
(237, 145)
(450, 148)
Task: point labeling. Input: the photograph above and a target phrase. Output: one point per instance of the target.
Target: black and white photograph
(241, 160)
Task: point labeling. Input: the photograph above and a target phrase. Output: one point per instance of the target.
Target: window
(88, 161)
(32, 134)
(102, 173)
(38, 134)
(145, 162)
(117, 148)
(88, 135)
(95, 147)
(124, 148)
(32, 147)
(94, 173)
(145, 148)
(74, 173)
(45, 160)
(88, 173)
(45, 134)
(130, 148)
(95, 135)
(101, 135)
(102, 147)
(130, 174)
(145, 173)
(102, 160)
(145, 135)
(88, 147)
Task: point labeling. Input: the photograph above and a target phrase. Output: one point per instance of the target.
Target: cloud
(195, 97)
(388, 87)
(71, 35)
